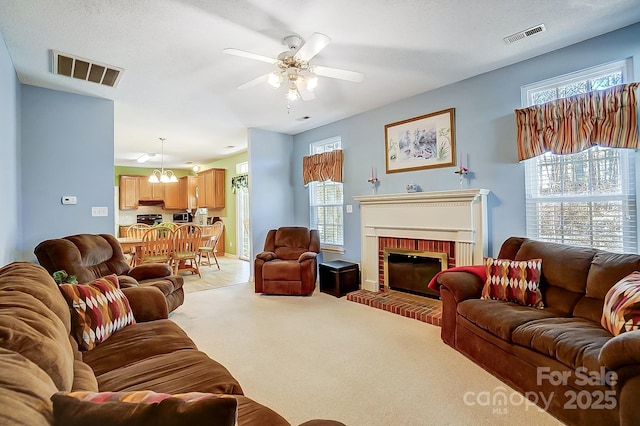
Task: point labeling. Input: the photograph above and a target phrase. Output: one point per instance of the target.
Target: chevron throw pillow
(98, 309)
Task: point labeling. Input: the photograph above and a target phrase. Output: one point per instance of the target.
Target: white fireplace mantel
(459, 216)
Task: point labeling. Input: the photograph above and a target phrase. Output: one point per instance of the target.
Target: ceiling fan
(294, 69)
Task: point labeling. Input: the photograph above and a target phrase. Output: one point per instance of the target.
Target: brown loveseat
(91, 256)
(561, 355)
(39, 359)
(288, 264)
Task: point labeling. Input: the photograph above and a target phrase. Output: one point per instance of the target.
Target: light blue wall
(67, 149)
(9, 158)
(270, 185)
(485, 132)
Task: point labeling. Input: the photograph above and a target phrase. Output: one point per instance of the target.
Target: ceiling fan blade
(356, 77)
(254, 82)
(249, 55)
(312, 47)
(305, 94)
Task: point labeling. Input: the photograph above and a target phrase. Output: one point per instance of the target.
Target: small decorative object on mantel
(373, 180)
(461, 170)
(412, 187)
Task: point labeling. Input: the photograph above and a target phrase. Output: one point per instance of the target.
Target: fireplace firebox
(411, 271)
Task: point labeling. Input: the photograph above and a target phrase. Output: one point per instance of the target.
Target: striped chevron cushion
(514, 281)
(621, 311)
(98, 309)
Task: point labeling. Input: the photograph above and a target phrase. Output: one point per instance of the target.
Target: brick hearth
(421, 308)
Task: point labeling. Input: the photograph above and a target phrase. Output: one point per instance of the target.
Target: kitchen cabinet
(150, 191)
(187, 193)
(172, 198)
(211, 188)
(129, 191)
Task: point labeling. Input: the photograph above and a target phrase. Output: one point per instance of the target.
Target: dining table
(130, 245)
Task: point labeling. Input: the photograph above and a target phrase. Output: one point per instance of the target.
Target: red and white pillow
(621, 311)
(514, 281)
(98, 309)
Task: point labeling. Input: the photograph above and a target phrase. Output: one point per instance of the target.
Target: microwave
(182, 217)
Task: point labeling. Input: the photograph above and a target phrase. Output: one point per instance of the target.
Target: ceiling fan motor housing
(293, 42)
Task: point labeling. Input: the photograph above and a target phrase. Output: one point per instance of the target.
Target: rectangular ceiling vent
(85, 69)
(524, 34)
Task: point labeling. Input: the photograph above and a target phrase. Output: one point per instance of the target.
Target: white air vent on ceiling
(524, 34)
(85, 69)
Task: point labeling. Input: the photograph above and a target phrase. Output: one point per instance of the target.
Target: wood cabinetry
(150, 191)
(187, 192)
(128, 192)
(211, 188)
(176, 196)
(172, 199)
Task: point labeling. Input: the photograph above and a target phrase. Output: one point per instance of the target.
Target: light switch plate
(69, 199)
(349, 208)
(99, 211)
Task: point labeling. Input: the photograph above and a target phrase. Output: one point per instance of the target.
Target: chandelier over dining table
(162, 175)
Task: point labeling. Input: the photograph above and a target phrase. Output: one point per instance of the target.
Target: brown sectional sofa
(39, 358)
(560, 353)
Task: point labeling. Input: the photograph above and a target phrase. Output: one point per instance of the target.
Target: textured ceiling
(178, 84)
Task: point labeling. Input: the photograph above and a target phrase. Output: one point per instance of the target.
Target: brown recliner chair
(288, 263)
(91, 256)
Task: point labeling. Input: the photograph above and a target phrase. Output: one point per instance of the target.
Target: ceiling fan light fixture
(292, 94)
(274, 80)
(292, 73)
(312, 82)
(293, 68)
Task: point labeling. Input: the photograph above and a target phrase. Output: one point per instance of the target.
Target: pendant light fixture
(162, 175)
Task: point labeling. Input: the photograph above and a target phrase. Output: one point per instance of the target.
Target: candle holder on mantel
(461, 172)
(374, 184)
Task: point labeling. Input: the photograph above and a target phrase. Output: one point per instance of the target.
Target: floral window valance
(608, 118)
(322, 167)
(240, 181)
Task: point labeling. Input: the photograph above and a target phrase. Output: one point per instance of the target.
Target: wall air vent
(524, 34)
(85, 69)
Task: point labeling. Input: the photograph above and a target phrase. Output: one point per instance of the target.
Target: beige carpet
(322, 357)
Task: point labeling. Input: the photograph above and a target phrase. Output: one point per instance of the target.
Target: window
(325, 202)
(588, 198)
(242, 168)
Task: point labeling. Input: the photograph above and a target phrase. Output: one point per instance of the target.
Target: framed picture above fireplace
(421, 142)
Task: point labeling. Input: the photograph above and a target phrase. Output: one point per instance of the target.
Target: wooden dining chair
(135, 232)
(156, 246)
(210, 246)
(186, 240)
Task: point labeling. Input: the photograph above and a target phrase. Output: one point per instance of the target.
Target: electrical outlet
(349, 208)
(99, 211)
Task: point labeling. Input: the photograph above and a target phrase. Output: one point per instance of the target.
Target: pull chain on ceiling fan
(293, 68)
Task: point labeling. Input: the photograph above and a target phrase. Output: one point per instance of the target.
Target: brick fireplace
(451, 222)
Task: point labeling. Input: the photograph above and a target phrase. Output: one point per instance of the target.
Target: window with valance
(579, 185)
(607, 118)
(322, 167)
